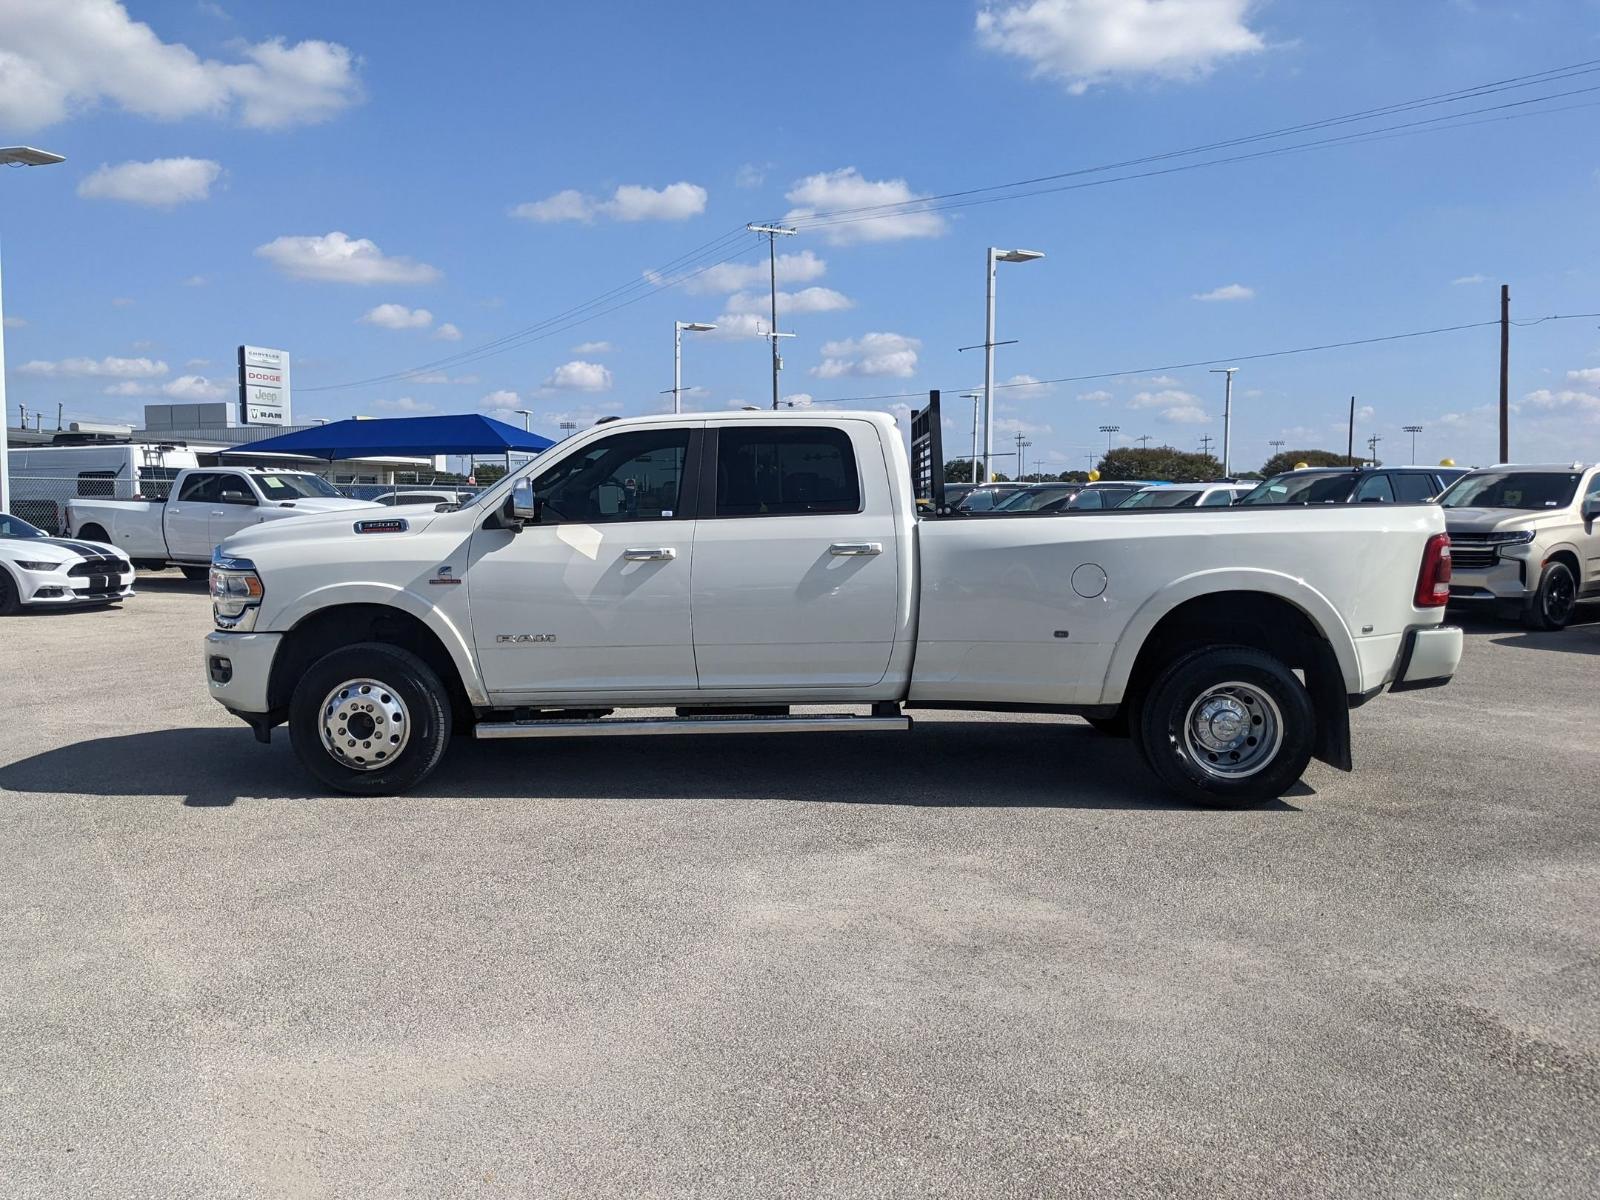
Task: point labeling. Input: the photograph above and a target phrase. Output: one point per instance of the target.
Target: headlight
(39, 566)
(1519, 537)
(236, 593)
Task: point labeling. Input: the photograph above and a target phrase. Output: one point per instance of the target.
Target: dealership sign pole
(264, 386)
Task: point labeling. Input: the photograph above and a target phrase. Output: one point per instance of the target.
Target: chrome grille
(1472, 552)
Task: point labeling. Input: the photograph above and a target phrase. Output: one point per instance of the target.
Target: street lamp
(13, 156)
(994, 255)
(1227, 418)
(677, 356)
(974, 397)
(1413, 430)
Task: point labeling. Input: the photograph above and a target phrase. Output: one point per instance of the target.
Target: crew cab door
(594, 597)
(186, 517)
(796, 578)
(235, 508)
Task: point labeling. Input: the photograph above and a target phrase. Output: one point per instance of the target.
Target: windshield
(16, 527)
(295, 487)
(1176, 498)
(1032, 499)
(1513, 489)
(1303, 489)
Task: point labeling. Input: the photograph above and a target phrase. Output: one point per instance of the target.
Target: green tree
(1286, 461)
(1159, 462)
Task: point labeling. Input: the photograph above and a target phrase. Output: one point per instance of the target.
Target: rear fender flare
(1316, 607)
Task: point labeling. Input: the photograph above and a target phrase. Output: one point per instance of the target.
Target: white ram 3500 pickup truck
(730, 566)
(204, 507)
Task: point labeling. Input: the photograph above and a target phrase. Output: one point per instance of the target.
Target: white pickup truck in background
(727, 567)
(204, 507)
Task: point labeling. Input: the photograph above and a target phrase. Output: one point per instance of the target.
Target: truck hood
(321, 504)
(341, 522)
(1496, 520)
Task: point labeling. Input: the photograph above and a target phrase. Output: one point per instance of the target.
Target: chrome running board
(631, 726)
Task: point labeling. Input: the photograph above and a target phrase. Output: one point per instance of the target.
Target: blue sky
(376, 186)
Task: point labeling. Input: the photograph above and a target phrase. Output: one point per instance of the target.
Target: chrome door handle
(652, 554)
(849, 549)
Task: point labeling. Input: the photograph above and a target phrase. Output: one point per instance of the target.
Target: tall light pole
(1022, 444)
(1413, 430)
(677, 358)
(1277, 445)
(1110, 431)
(526, 414)
(13, 156)
(994, 255)
(568, 428)
(773, 232)
(974, 397)
(1227, 420)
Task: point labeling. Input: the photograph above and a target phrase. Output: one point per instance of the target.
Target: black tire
(1116, 726)
(93, 533)
(1554, 604)
(199, 573)
(10, 601)
(402, 684)
(1243, 682)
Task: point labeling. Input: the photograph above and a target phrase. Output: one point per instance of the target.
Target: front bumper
(1428, 658)
(59, 588)
(1511, 578)
(238, 667)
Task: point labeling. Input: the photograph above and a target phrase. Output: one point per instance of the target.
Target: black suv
(1351, 485)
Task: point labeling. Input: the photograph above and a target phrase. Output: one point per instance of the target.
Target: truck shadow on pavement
(1581, 637)
(950, 764)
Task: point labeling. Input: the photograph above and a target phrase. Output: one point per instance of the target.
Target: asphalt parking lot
(989, 959)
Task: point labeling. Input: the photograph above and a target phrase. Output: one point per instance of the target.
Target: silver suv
(1525, 540)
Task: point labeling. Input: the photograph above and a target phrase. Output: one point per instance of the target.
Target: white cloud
(731, 327)
(804, 267)
(197, 362)
(191, 388)
(751, 175)
(501, 402)
(16, 322)
(1589, 375)
(580, 376)
(1027, 386)
(1174, 406)
(160, 183)
(338, 258)
(1085, 42)
(402, 404)
(1161, 381)
(115, 368)
(594, 348)
(872, 354)
(630, 202)
(447, 333)
(67, 56)
(196, 281)
(1469, 280)
(799, 400)
(806, 300)
(397, 316)
(1228, 291)
(831, 191)
(1564, 401)
(1096, 397)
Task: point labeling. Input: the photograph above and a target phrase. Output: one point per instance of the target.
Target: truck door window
(1414, 487)
(200, 489)
(96, 483)
(629, 477)
(1375, 487)
(232, 489)
(772, 472)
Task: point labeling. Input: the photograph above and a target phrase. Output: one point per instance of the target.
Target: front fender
(456, 643)
(1316, 607)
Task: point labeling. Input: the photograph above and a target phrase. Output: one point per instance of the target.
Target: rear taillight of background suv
(1433, 581)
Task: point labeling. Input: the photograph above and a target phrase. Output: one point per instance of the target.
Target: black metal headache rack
(927, 457)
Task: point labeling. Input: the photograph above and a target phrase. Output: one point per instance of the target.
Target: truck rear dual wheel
(370, 719)
(1226, 726)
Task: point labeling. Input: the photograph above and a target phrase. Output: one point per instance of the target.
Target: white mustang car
(36, 569)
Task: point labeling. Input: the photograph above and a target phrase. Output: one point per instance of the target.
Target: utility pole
(1372, 448)
(1350, 445)
(1205, 443)
(1413, 430)
(1022, 444)
(993, 256)
(974, 397)
(1227, 416)
(1505, 372)
(773, 232)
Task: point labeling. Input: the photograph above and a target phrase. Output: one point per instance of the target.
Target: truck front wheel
(370, 719)
(1227, 725)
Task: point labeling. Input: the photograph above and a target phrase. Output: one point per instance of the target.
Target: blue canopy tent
(402, 437)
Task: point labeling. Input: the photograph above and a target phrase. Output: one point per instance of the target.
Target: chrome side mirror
(525, 505)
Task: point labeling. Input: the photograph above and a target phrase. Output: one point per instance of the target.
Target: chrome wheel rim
(1233, 730)
(364, 724)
